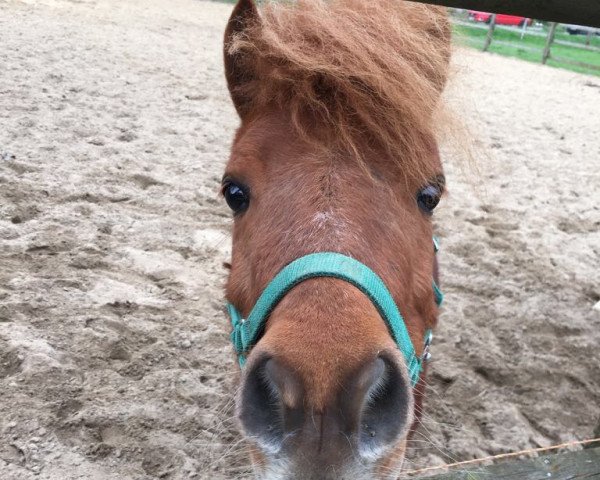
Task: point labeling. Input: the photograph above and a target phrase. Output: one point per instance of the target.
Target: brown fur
(351, 73)
(327, 90)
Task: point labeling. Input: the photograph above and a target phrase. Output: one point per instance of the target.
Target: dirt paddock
(114, 356)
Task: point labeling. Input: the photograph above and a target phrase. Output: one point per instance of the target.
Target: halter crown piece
(247, 331)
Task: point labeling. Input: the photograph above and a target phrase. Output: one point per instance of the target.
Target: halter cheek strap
(246, 332)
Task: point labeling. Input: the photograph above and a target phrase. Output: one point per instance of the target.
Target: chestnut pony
(336, 153)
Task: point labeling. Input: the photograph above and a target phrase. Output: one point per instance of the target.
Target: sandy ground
(114, 354)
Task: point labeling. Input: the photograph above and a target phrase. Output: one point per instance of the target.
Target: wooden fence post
(549, 40)
(490, 33)
(523, 28)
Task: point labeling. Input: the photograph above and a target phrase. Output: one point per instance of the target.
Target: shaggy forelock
(353, 73)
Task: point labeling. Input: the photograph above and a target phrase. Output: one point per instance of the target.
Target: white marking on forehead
(328, 219)
(322, 217)
(329, 224)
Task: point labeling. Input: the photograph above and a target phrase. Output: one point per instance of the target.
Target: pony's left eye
(429, 196)
(236, 196)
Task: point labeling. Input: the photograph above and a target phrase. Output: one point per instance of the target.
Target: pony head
(336, 152)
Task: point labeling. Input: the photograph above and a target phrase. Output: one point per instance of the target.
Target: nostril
(260, 406)
(268, 402)
(381, 406)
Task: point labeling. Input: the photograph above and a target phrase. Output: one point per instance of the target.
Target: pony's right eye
(236, 196)
(429, 196)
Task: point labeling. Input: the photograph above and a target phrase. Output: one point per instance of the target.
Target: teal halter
(246, 332)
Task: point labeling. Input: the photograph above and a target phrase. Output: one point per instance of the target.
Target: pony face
(325, 392)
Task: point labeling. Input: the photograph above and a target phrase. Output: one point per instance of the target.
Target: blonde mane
(351, 72)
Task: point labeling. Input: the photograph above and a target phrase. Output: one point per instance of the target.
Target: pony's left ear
(238, 67)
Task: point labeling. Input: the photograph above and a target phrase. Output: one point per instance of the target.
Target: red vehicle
(501, 19)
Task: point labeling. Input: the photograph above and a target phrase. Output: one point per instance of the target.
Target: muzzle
(247, 331)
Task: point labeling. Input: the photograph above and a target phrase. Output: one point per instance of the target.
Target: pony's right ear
(238, 68)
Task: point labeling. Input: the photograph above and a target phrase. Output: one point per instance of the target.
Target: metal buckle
(426, 357)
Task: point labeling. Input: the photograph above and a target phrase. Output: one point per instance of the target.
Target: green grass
(474, 37)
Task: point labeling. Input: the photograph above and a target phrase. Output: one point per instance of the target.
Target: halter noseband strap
(246, 332)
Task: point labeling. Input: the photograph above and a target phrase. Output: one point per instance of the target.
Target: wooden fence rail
(583, 464)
